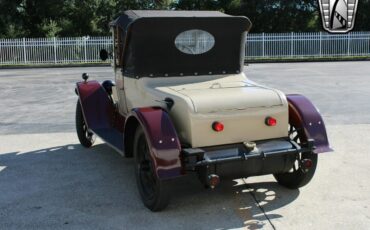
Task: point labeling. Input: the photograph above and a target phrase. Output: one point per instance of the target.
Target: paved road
(48, 181)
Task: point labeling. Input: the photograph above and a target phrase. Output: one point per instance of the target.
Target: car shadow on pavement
(78, 187)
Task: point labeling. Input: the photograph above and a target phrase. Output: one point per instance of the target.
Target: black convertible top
(149, 42)
(131, 15)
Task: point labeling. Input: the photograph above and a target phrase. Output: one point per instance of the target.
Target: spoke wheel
(297, 175)
(86, 137)
(153, 191)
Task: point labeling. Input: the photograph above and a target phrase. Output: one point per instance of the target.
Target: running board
(112, 137)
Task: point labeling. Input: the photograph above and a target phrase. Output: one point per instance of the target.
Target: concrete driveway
(48, 181)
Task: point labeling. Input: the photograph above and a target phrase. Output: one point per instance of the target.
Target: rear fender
(162, 139)
(303, 114)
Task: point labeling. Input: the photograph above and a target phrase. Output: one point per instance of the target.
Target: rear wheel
(298, 176)
(86, 137)
(153, 191)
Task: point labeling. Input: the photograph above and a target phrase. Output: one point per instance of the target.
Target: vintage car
(181, 103)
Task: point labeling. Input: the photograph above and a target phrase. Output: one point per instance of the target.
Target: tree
(362, 22)
(10, 19)
(45, 18)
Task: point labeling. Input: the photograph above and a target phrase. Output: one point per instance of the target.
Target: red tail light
(217, 126)
(270, 121)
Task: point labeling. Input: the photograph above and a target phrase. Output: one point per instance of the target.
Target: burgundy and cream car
(181, 103)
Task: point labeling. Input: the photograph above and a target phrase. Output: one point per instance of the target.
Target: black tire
(298, 177)
(153, 191)
(85, 137)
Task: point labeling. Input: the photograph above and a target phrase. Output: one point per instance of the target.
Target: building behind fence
(259, 46)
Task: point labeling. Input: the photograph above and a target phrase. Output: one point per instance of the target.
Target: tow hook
(306, 164)
(249, 145)
(213, 180)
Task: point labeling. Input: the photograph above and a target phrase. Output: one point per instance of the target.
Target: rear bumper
(270, 156)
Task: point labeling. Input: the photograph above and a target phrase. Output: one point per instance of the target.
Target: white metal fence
(306, 45)
(52, 50)
(283, 45)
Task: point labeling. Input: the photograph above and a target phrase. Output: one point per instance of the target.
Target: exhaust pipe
(306, 164)
(213, 180)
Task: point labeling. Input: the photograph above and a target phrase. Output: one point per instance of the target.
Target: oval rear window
(194, 42)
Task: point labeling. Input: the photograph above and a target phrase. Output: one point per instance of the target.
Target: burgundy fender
(93, 99)
(100, 114)
(162, 139)
(303, 114)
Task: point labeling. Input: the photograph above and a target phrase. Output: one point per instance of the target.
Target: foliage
(40, 18)
(363, 16)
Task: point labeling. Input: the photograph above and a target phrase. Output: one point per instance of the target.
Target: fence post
(55, 51)
(263, 44)
(320, 44)
(245, 47)
(24, 51)
(291, 45)
(348, 43)
(85, 48)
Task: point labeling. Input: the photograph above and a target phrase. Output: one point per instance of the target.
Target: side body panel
(120, 92)
(302, 113)
(100, 114)
(162, 139)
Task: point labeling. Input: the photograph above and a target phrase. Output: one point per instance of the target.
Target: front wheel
(153, 191)
(298, 176)
(86, 137)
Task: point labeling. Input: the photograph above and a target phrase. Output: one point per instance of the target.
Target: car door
(117, 66)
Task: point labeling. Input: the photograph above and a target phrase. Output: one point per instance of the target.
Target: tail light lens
(217, 126)
(270, 121)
